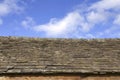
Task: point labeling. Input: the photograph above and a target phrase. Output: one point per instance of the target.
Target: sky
(60, 18)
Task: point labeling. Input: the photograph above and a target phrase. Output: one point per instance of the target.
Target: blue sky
(60, 18)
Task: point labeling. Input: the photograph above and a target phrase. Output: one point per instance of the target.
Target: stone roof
(35, 55)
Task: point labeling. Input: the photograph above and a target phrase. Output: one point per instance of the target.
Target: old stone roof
(34, 55)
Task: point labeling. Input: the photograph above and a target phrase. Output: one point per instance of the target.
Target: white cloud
(9, 6)
(28, 22)
(1, 22)
(106, 5)
(3, 9)
(79, 21)
(63, 26)
(117, 20)
(95, 17)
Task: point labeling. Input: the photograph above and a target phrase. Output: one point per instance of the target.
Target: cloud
(62, 26)
(117, 20)
(8, 7)
(1, 22)
(103, 5)
(28, 22)
(81, 22)
(95, 17)
(69, 25)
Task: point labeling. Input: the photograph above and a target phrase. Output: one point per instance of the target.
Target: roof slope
(32, 55)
